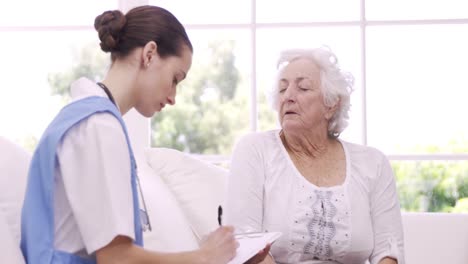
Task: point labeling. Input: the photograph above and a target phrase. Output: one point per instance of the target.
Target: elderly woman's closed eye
(301, 83)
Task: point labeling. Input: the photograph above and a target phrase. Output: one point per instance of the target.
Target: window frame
(140, 128)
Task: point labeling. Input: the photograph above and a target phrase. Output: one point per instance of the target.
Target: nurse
(81, 203)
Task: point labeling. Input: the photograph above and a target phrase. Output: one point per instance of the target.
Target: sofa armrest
(436, 237)
(9, 246)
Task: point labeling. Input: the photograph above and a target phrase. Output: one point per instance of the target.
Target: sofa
(182, 194)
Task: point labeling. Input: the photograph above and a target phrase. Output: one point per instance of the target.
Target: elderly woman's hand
(261, 257)
(388, 260)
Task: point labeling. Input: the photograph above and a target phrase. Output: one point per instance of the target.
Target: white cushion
(171, 231)
(14, 165)
(198, 186)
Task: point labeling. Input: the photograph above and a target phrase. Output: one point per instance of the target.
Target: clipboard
(251, 243)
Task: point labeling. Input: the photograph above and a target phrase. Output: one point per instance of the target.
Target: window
(52, 13)
(42, 43)
(212, 103)
(415, 9)
(409, 64)
(418, 94)
(409, 67)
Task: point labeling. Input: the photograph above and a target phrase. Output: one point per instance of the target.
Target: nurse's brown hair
(120, 34)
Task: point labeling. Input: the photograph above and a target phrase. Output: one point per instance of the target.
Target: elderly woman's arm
(244, 208)
(245, 191)
(386, 216)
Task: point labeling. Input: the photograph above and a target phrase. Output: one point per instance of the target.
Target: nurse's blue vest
(37, 221)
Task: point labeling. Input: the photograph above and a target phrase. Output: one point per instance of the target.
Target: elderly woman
(334, 201)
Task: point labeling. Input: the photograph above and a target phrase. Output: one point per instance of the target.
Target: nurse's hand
(219, 247)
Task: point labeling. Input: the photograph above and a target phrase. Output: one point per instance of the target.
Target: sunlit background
(409, 59)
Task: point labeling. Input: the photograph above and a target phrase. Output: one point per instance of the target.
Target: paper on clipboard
(251, 244)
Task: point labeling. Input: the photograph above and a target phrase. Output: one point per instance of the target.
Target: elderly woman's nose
(290, 93)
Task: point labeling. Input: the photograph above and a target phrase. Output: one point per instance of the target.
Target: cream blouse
(354, 222)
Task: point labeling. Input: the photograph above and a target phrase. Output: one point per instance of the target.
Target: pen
(220, 215)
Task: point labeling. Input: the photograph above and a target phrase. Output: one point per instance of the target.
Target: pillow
(198, 186)
(14, 166)
(171, 231)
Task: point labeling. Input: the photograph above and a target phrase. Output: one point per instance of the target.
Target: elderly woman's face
(301, 107)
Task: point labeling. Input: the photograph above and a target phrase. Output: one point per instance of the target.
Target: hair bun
(109, 26)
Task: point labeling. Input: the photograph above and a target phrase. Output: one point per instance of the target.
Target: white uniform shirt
(93, 197)
(353, 222)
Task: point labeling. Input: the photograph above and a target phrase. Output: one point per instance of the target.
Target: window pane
(208, 11)
(415, 9)
(36, 78)
(52, 12)
(432, 186)
(212, 106)
(307, 11)
(343, 41)
(417, 88)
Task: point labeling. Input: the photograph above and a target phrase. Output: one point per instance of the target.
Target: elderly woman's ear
(331, 110)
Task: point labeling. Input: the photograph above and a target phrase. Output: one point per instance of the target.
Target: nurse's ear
(149, 54)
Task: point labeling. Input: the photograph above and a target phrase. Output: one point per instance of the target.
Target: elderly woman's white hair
(336, 85)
